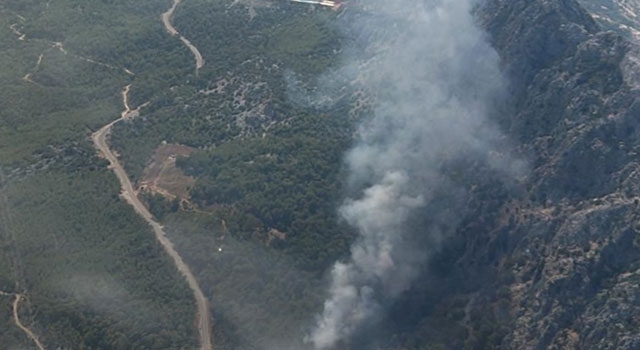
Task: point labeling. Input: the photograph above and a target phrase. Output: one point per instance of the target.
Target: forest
(259, 228)
(92, 274)
(90, 271)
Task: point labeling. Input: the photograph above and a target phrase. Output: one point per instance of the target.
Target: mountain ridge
(569, 243)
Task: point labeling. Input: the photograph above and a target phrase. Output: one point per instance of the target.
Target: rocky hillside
(618, 15)
(565, 250)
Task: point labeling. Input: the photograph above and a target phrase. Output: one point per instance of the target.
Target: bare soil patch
(162, 176)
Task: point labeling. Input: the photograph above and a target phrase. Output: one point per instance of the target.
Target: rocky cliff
(567, 247)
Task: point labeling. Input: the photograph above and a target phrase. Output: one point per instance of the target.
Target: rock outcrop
(569, 242)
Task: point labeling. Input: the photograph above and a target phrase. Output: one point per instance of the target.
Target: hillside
(254, 132)
(551, 262)
(617, 15)
(571, 250)
(89, 273)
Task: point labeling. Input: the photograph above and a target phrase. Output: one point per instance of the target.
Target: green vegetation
(288, 181)
(285, 34)
(91, 269)
(268, 171)
(12, 337)
(259, 298)
(94, 274)
(158, 205)
(249, 58)
(68, 92)
(275, 164)
(260, 228)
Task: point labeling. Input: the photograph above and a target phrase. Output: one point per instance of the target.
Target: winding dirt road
(167, 19)
(16, 319)
(129, 194)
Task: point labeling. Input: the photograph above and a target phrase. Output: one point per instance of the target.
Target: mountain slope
(618, 15)
(551, 261)
(568, 241)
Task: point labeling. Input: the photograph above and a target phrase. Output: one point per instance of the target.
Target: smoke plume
(435, 79)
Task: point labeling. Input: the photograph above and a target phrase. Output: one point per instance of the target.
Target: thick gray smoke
(435, 78)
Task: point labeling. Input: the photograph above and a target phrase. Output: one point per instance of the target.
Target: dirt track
(16, 319)
(129, 194)
(167, 19)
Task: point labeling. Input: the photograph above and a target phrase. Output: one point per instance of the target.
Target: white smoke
(435, 79)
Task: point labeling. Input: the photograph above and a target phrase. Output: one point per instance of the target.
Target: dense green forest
(94, 276)
(288, 181)
(92, 273)
(264, 226)
(259, 227)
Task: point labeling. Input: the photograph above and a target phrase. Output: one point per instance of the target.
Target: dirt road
(167, 19)
(16, 319)
(129, 194)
